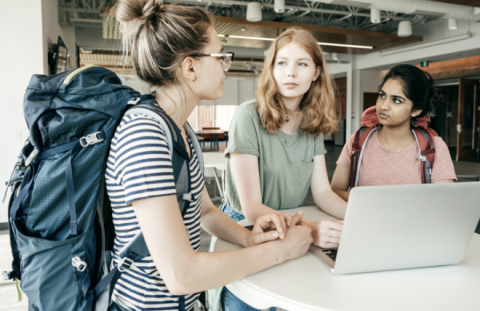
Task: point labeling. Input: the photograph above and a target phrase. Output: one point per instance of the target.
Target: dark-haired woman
(177, 51)
(391, 153)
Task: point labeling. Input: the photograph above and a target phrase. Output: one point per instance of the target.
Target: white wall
(22, 55)
(365, 81)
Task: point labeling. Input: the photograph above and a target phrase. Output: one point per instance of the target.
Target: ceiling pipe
(289, 7)
(423, 7)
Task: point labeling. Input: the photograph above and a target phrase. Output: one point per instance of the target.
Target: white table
(214, 161)
(307, 284)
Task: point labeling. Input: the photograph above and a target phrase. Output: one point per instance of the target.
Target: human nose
(384, 104)
(291, 72)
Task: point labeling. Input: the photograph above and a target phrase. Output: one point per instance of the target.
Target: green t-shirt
(285, 170)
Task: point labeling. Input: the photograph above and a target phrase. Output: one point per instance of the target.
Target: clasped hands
(269, 227)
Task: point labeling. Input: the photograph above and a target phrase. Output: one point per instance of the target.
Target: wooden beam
(230, 26)
(455, 68)
(332, 30)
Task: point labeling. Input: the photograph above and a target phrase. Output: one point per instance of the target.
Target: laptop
(402, 227)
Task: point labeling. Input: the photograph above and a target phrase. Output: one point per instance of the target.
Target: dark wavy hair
(418, 86)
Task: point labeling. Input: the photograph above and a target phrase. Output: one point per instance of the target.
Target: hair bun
(138, 12)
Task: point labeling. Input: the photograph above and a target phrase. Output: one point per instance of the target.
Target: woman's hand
(268, 227)
(298, 238)
(327, 233)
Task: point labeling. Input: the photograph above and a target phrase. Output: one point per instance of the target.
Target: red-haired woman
(275, 150)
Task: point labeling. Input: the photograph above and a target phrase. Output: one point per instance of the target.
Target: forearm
(253, 210)
(211, 270)
(218, 224)
(332, 204)
(342, 194)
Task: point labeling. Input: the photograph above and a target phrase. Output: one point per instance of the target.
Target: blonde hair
(161, 36)
(320, 110)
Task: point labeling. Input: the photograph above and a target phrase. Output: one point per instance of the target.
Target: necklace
(285, 140)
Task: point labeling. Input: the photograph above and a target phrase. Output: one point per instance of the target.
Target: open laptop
(408, 226)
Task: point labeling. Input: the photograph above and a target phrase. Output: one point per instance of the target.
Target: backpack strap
(361, 138)
(137, 247)
(426, 153)
(177, 149)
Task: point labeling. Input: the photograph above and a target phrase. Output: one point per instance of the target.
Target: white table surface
(307, 283)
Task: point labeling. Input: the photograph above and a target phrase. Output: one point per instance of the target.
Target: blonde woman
(275, 150)
(176, 50)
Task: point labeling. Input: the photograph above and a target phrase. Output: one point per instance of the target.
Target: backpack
(370, 124)
(60, 218)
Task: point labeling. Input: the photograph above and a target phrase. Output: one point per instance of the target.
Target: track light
(279, 6)
(375, 16)
(334, 56)
(254, 12)
(452, 24)
(404, 29)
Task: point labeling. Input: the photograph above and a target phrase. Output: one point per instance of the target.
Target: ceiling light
(404, 29)
(254, 12)
(452, 24)
(86, 51)
(334, 56)
(279, 6)
(375, 16)
(321, 43)
(224, 41)
(243, 29)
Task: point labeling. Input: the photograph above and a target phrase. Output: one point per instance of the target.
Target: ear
(317, 73)
(188, 69)
(415, 113)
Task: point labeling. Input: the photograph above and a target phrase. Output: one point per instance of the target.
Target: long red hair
(320, 110)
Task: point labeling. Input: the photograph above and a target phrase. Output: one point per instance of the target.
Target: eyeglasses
(226, 58)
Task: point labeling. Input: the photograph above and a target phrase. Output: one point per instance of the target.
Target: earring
(194, 78)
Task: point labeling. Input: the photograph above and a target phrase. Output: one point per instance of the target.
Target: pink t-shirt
(381, 166)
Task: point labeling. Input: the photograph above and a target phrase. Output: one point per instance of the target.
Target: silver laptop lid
(409, 226)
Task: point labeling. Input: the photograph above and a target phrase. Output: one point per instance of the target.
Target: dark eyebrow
(394, 96)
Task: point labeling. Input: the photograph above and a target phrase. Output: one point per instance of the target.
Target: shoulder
(247, 111)
(441, 147)
(138, 127)
(249, 106)
(138, 122)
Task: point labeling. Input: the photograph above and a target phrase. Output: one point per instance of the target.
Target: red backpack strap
(357, 144)
(427, 149)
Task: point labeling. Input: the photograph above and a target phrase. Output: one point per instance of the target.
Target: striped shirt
(139, 167)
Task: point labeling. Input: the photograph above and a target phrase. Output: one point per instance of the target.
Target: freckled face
(393, 106)
(294, 71)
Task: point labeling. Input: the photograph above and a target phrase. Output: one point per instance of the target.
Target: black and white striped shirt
(139, 167)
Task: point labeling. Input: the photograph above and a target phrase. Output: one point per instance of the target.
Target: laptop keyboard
(332, 253)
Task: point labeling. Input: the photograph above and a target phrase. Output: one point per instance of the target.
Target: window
(224, 115)
(212, 116)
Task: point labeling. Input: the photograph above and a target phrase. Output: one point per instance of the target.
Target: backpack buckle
(90, 139)
(6, 275)
(187, 197)
(78, 263)
(422, 158)
(127, 262)
(134, 101)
